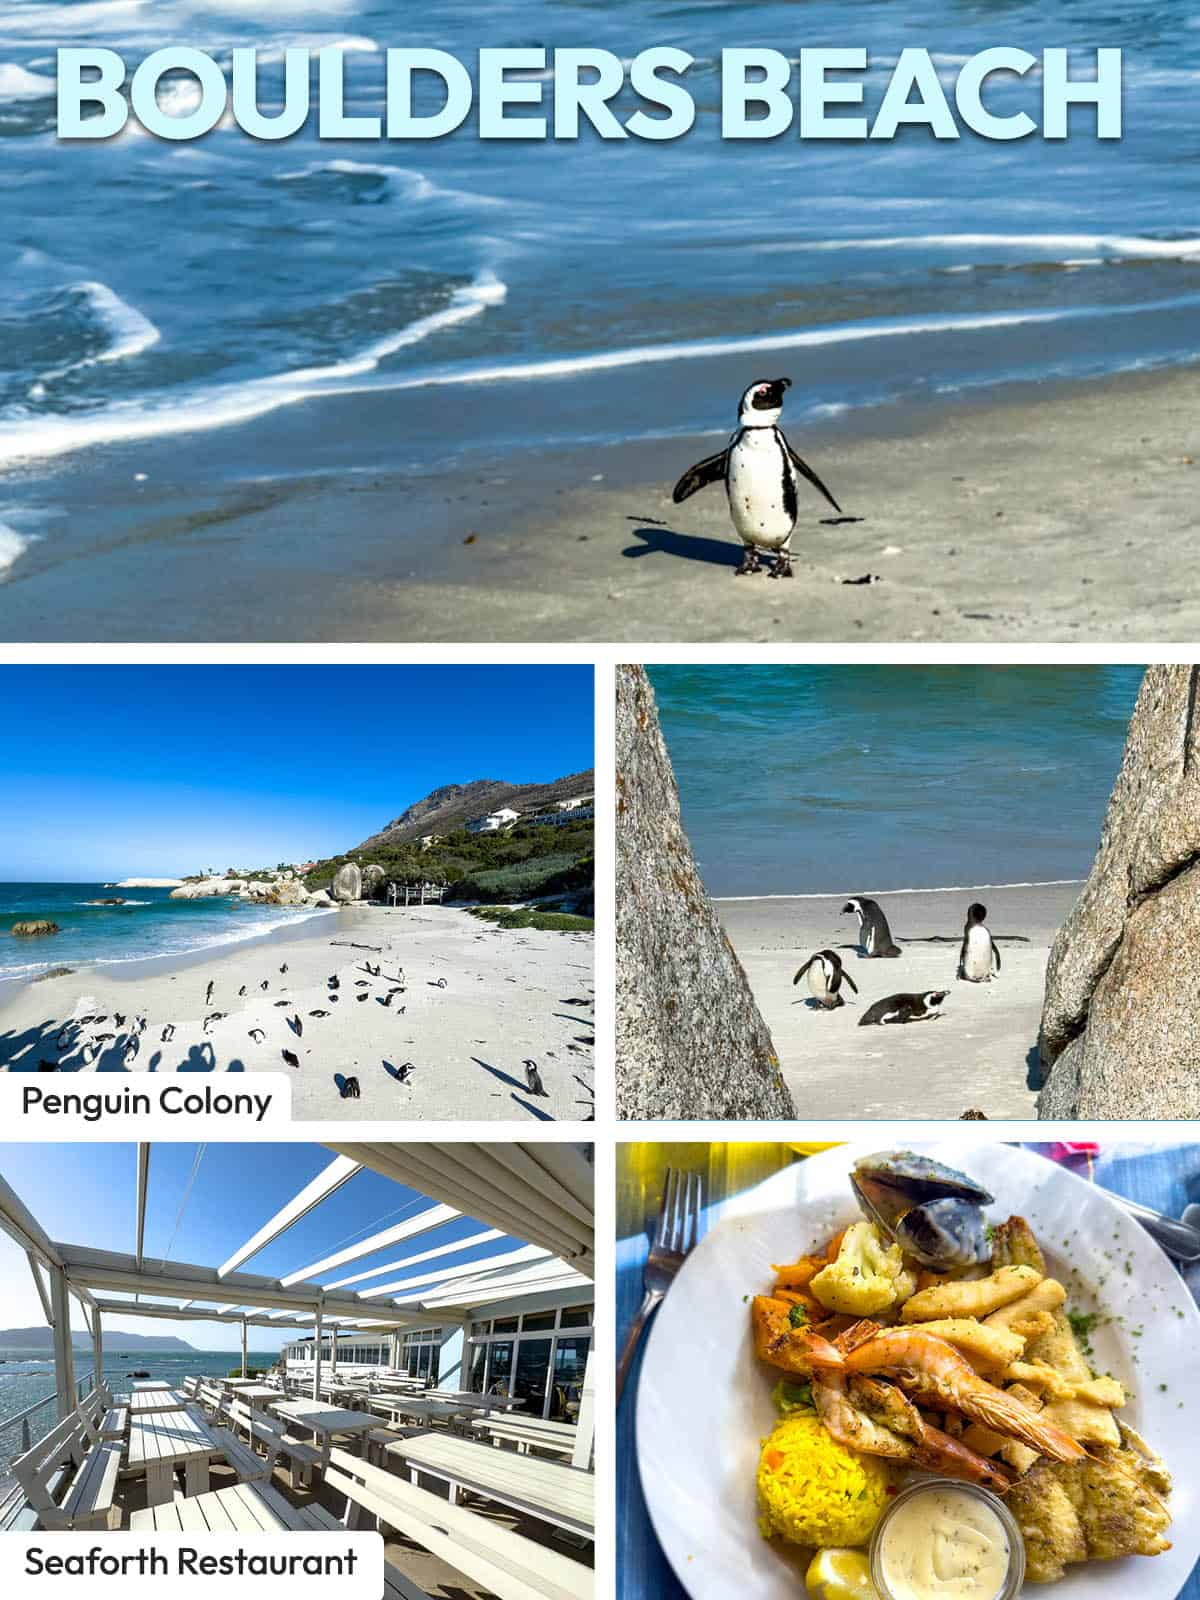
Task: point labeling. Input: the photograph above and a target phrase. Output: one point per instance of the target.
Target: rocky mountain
(455, 804)
(43, 1339)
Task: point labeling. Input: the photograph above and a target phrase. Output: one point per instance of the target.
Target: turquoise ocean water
(444, 275)
(149, 924)
(837, 780)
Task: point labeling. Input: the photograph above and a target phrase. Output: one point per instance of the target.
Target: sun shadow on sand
(28, 1050)
(689, 546)
(534, 1111)
(1035, 1079)
(513, 1083)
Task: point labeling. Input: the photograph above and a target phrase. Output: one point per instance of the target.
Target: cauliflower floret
(868, 1276)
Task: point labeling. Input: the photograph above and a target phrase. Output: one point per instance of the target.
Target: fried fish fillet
(1014, 1245)
(1091, 1510)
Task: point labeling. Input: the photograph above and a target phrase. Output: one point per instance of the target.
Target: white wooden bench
(241, 1457)
(69, 1478)
(532, 1434)
(302, 1455)
(502, 1562)
(548, 1490)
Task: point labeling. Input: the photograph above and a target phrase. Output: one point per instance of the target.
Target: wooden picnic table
(153, 1383)
(144, 1402)
(160, 1442)
(424, 1410)
(551, 1491)
(529, 1432)
(324, 1421)
(255, 1394)
(240, 1508)
(256, 1508)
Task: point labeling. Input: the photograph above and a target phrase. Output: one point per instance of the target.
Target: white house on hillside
(494, 821)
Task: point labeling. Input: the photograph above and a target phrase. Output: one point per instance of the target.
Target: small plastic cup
(1015, 1576)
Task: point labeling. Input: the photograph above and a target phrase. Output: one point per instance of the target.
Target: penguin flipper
(803, 970)
(712, 469)
(846, 978)
(996, 953)
(805, 471)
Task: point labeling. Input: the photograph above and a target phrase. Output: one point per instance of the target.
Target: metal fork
(675, 1234)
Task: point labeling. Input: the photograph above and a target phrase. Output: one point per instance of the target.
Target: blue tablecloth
(1164, 1177)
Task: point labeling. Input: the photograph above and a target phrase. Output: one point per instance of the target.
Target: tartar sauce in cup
(942, 1540)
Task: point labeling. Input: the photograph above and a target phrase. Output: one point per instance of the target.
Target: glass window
(480, 1330)
(500, 1360)
(478, 1368)
(505, 1324)
(537, 1321)
(533, 1368)
(577, 1317)
(570, 1359)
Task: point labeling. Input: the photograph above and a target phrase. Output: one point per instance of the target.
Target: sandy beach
(469, 1003)
(979, 1055)
(1047, 513)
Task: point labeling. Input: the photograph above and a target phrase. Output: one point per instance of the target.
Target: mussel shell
(919, 1177)
(945, 1234)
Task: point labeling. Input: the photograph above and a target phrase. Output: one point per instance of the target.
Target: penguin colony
(978, 962)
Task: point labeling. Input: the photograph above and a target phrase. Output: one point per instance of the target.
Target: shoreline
(995, 508)
(980, 1054)
(941, 888)
(439, 1032)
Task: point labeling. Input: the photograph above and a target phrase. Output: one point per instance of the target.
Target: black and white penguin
(979, 951)
(873, 932)
(761, 473)
(905, 1008)
(825, 977)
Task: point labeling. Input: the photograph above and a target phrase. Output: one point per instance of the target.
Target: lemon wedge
(839, 1575)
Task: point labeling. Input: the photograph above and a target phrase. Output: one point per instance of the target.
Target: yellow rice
(813, 1491)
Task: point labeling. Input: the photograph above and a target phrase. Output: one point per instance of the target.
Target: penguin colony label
(763, 94)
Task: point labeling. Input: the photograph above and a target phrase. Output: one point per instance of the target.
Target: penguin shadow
(513, 1083)
(534, 1111)
(664, 541)
(392, 1072)
(811, 1003)
(839, 522)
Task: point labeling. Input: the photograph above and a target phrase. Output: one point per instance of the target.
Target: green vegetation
(518, 864)
(530, 917)
(251, 1372)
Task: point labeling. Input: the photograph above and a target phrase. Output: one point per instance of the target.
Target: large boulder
(347, 884)
(1121, 1018)
(691, 1043)
(372, 877)
(205, 888)
(286, 892)
(40, 929)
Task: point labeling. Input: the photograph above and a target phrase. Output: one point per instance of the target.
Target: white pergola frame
(539, 1195)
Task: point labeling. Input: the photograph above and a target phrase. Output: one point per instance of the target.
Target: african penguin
(761, 473)
(825, 977)
(905, 1008)
(874, 934)
(979, 950)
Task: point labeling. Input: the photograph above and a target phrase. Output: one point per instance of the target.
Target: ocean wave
(1114, 246)
(794, 339)
(12, 547)
(130, 332)
(18, 84)
(945, 888)
(407, 183)
(238, 932)
(43, 438)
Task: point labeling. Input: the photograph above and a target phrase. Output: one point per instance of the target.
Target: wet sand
(505, 999)
(980, 1054)
(1047, 514)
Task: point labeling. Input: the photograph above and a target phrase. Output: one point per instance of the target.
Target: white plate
(704, 1402)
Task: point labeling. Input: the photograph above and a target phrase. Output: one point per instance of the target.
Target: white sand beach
(979, 1055)
(469, 1002)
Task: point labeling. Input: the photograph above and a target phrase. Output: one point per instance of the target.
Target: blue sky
(85, 1194)
(116, 771)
